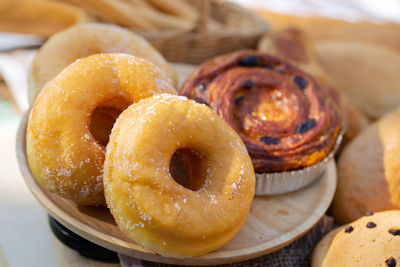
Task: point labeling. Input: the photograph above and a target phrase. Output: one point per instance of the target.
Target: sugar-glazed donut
(177, 219)
(83, 40)
(63, 154)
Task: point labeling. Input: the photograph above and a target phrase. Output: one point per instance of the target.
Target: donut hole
(187, 167)
(103, 118)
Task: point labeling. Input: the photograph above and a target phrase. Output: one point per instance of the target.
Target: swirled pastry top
(285, 119)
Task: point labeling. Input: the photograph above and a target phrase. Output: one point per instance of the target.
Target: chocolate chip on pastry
(394, 232)
(391, 262)
(348, 229)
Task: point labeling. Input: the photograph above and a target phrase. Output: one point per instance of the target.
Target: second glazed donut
(63, 154)
(147, 203)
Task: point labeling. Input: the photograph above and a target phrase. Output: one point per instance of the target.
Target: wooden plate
(273, 222)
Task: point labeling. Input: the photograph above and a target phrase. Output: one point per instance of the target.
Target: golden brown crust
(368, 171)
(63, 154)
(153, 209)
(284, 127)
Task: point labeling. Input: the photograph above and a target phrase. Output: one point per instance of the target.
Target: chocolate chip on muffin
(348, 229)
(306, 126)
(239, 100)
(394, 232)
(391, 262)
(249, 61)
(300, 82)
(268, 140)
(249, 84)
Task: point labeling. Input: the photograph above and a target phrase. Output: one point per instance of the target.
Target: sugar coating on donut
(152, 208)
(63, 154)
(168, 100)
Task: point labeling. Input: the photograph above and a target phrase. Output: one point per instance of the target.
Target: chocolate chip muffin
(373, 240)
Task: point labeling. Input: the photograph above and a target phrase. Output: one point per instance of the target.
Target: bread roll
(373, 240)
(369, 171)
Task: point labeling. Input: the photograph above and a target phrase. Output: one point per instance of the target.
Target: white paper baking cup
(284, 182)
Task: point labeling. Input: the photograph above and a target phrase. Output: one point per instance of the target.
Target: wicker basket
(238, 29)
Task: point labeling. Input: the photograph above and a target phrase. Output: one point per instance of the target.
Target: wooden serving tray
(273, 222)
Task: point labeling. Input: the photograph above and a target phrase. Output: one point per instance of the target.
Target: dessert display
(372, 240)
(63, 152)
(368, 171)
(150, 207)
(83, 40)
(286, 120)
(124, 161)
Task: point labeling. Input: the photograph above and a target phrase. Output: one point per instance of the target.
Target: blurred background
(25, 239)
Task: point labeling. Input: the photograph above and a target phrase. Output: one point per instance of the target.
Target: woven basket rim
(242, 30)
(260, 26)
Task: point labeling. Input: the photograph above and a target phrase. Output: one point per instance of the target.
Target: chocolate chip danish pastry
(286, 120)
